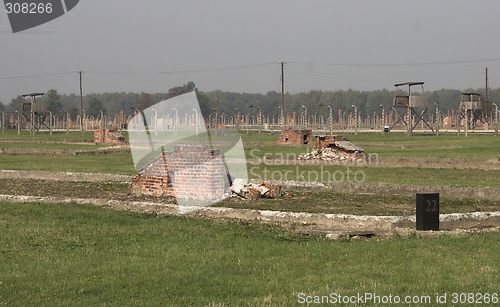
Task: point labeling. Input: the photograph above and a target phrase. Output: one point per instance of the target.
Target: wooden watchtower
(410, 109)
(34, 113)
(470, 109)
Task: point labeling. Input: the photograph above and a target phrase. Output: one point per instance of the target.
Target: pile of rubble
(249, 190)
(324, 154)
(335, 151)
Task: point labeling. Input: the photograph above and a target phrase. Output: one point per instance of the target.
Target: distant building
(295, 137)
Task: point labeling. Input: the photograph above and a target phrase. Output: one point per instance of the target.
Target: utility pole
(282, 96)
(81, 103)
(486, 98)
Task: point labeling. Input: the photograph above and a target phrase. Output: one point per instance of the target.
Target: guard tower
(471, 109)
(34, 113)
(410, 109)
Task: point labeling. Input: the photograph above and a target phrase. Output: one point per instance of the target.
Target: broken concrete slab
(252, 190)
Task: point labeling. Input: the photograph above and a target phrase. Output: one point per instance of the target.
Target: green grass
(67, 255)
(117, 163)
(50, 146)
(403, 175)
(394, 145)
(282, 153)
(73, 255)
(486, 146)
(43, 140)
(398, 145)
(44, 136)
(253, 136)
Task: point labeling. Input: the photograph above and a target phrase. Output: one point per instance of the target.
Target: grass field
(486, 146)
(396, 144)
(417, 176)
(44, 136)
(74, 255)
(259, 146)
(117, 163)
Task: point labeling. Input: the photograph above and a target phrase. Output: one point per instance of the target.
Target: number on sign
(431, 205)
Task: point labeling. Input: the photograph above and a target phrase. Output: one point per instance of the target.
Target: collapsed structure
(332, 148)
(196, 174)
(186, 160)
(249, 190)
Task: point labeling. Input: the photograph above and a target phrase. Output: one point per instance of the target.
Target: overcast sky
(153, 45)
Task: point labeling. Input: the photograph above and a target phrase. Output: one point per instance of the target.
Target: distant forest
(315, 101)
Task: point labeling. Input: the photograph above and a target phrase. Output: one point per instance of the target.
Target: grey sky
(326, 45)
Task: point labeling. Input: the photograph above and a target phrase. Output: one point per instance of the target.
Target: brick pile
(334, 148)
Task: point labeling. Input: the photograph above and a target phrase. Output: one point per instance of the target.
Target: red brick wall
(327, 140)
(295, 137)
(153, 179)
(190, 171)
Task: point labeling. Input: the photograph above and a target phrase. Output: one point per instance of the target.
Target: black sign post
(428, 211)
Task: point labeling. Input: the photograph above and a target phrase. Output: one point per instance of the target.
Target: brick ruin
(108, 136)
(295, 137)
(328, 140)
(189, 172)
(334, 147)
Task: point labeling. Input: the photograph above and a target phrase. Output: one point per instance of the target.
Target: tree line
(368, 102)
